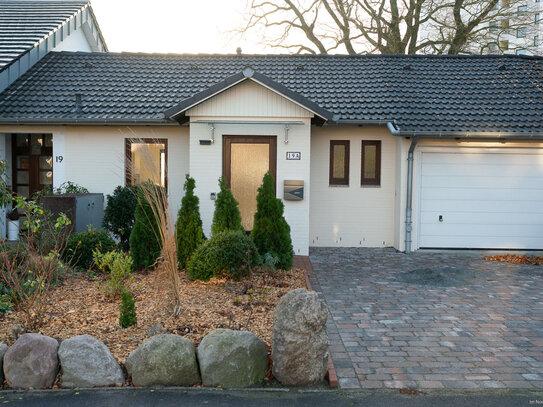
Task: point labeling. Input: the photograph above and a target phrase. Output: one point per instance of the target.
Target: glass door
(32, 163)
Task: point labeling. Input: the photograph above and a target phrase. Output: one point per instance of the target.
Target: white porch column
(3, 156)
(59, 158)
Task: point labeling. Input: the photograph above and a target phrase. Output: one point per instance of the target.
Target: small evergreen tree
(189, 224)
(119, 214)
(127, 314)
(226, 216)
(271, 232)
(144, 239)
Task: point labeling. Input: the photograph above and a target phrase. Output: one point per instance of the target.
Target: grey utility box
(293, 190)
(81, 209)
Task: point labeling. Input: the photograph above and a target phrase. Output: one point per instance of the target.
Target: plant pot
(13, 230)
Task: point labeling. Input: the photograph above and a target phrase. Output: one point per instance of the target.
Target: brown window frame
(128, 156)
(371, 181)
(345, 179)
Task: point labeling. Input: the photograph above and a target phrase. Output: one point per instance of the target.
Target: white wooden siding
(249, 99)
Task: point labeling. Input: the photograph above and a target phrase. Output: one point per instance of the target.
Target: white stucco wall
(353, 215)
(94, 156)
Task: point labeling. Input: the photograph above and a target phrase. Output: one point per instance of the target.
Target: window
(339, 162)
(493, 47)
(521, 52)
(504, 44)
(493, 26)
(536, 40)
(505, 23)
(371, 162)
(537, 18)
(521, 32)
(522, 10)
(146, 160)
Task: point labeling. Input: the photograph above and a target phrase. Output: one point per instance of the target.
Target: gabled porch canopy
(178, 111)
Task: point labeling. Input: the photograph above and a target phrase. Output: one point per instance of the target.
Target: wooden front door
(245, 161)
(32, 163)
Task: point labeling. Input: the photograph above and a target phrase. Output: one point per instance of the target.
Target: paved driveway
(431, 319)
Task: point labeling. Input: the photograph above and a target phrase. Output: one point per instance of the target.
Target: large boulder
(3, 349)
(232, 359)
(299, 339)
(31, 362)
(87, 362)
(167, 360)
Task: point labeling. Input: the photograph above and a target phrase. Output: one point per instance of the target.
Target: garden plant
(226, 215)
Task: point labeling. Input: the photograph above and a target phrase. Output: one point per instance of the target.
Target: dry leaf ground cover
(516, 259)
(80, 306)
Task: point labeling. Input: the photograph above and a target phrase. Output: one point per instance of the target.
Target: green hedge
(81, 245)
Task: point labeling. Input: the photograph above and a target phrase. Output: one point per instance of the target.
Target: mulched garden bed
(516, 259)
(80, 306)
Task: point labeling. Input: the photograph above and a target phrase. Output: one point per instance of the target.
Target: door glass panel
(370, 157)
(21, 140)
(249, 163)
(48, 140)
(46, 177)
(22, 177)
(36, 142)
(23, 191)
(23, 163)
(338, 170)
(46, 163)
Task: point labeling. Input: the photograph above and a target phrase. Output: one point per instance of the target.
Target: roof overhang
(178, 112)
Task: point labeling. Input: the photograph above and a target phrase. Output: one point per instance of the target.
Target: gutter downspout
(409, 203)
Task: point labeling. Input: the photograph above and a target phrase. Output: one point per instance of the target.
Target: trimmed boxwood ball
(119, 214)
(226, 215)
(189, 224)
(81, 245)
(271, 232)
(144, 240)
(228, 254)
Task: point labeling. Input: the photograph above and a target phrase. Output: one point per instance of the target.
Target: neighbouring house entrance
(245, 161)
(32, 163)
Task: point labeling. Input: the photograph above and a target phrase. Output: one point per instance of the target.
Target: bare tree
(390, 26)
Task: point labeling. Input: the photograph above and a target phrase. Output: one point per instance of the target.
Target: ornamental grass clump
(226, 215)
(189, 224)
(271, 232)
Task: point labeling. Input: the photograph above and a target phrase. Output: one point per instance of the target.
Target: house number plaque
(294, 155)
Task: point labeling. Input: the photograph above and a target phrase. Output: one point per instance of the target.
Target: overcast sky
(178, 26)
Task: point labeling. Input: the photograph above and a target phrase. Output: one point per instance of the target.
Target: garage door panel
(477, 170)
(484, 231)
(475, 206)
(482, 194)
(482, 218)
(478, 182)
(490, 199)
(490, 242)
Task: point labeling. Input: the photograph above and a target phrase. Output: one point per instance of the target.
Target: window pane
(338, 169)
(21, 140)
(36, 142)
(23, 162)
(370, 162)
(48, 140)
(148, 163)
(23, 191)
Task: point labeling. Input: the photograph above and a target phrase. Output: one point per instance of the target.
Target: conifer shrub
(228, 254)
(127, 312)
(145, 238)
(119, 214)
(226, 215)
(271, 232)
(189, 224)
(80, 247)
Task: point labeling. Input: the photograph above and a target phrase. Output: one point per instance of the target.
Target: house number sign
(59, 158)
(294, 155)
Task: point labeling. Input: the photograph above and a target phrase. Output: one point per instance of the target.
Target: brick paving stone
(456, 336)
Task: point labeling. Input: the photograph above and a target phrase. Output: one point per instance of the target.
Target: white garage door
(477, 198)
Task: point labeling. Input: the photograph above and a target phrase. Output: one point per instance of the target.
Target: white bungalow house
(367, 151)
